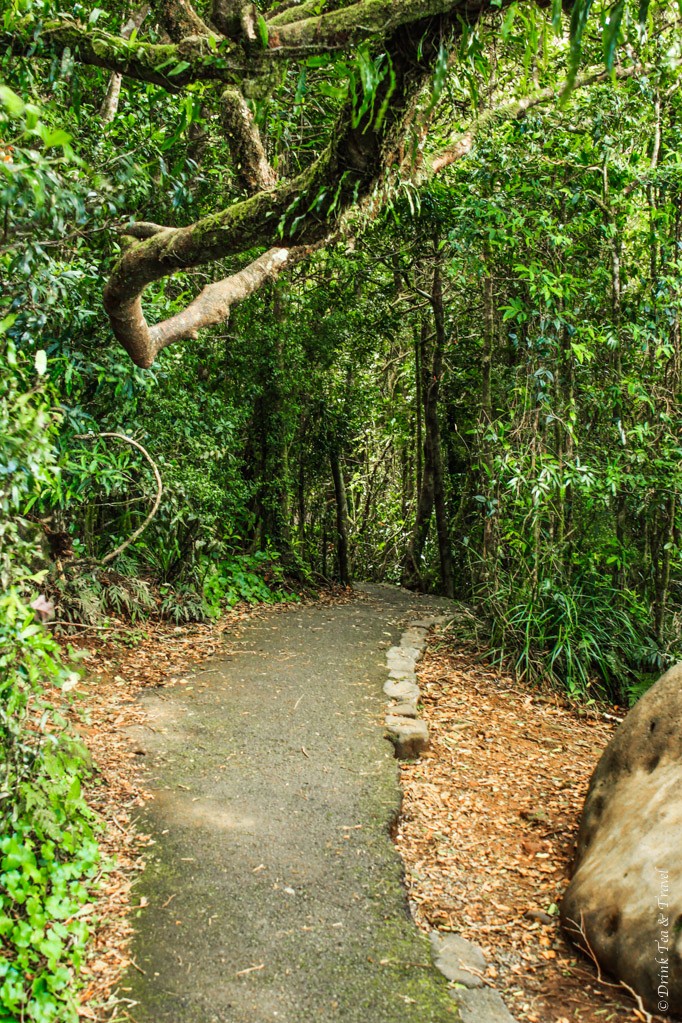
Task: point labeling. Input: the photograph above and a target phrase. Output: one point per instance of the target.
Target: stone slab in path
(275, 892)
(482, 1005)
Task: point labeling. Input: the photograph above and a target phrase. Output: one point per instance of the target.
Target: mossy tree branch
(206, 56)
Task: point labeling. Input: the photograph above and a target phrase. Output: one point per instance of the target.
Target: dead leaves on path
(489, 822)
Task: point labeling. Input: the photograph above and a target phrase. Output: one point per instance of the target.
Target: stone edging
(408, 733)
(461, 961)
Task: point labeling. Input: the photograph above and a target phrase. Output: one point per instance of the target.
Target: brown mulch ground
(488, 827)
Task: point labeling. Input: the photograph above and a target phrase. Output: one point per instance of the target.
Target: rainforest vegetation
(411, 277)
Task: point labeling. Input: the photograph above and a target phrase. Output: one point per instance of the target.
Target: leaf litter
(488, 829)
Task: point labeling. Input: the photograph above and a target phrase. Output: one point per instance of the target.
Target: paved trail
(275, 891)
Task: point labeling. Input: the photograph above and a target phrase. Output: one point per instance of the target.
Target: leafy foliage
(49, 856)
(475, 389)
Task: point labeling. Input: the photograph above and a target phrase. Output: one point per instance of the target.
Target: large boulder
(624, 903)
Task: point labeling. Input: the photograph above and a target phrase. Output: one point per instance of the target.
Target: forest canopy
(406, 278)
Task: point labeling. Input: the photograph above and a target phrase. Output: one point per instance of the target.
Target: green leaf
(41, 362)
(508, 22)
(55, 138)
(179, 68)
(643, 12)
(13, 104)
(7, 323)
(262, 28)
(557, 11)
(612, 32)
(579, 16)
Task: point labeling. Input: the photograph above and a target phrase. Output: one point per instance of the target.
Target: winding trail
(274, 889)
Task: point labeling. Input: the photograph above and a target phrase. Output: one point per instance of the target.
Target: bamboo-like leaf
(579, 17)
(612, 32)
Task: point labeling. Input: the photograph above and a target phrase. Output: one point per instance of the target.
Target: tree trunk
(341, 518)
(432, 424)
(411, 575)
(485, 419)
(109, 107)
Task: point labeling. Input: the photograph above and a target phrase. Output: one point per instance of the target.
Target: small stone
(458, 959)
(398, 659)
(427, 623)
(539, 916)
(483, 1005)
(414, 638)
(401, 689)
(400, 674)
(406, 709)
(409, 737)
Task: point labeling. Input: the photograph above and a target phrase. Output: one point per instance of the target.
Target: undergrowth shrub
(254, 578)
(49, 857)
(587, 637)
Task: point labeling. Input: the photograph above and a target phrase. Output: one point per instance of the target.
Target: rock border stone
(406, 730)
(461, 961)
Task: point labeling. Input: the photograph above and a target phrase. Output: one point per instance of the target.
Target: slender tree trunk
(411, 576)
(341, 518)
(112, 96)
(485, 418)
(418, 359)
(301, 499)
(433, 428)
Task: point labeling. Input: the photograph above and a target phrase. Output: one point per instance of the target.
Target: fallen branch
(579, 929)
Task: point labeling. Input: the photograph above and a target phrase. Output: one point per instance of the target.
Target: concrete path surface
(275, 892)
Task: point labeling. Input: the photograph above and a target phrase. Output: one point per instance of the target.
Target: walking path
(275, 892)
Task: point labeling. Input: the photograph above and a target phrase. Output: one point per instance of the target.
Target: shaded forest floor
(490, 817)
(489, 820)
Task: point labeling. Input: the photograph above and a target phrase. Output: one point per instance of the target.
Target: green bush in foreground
(49, 856)
(588, 638)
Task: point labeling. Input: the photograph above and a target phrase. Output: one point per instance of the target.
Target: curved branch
(516, 109)
(211, 306)
(201, 57)
(349, 25)
(300, 210)
(159, 490)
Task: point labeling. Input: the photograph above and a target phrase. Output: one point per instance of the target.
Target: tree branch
(515, 110)
(301, 211)
(110, 102)
(246, 146)
(349, 25)
(201, 57)
(159, 63)
(212, 306)
(159, 490)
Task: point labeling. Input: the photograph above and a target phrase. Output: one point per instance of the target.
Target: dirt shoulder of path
(488, 829)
